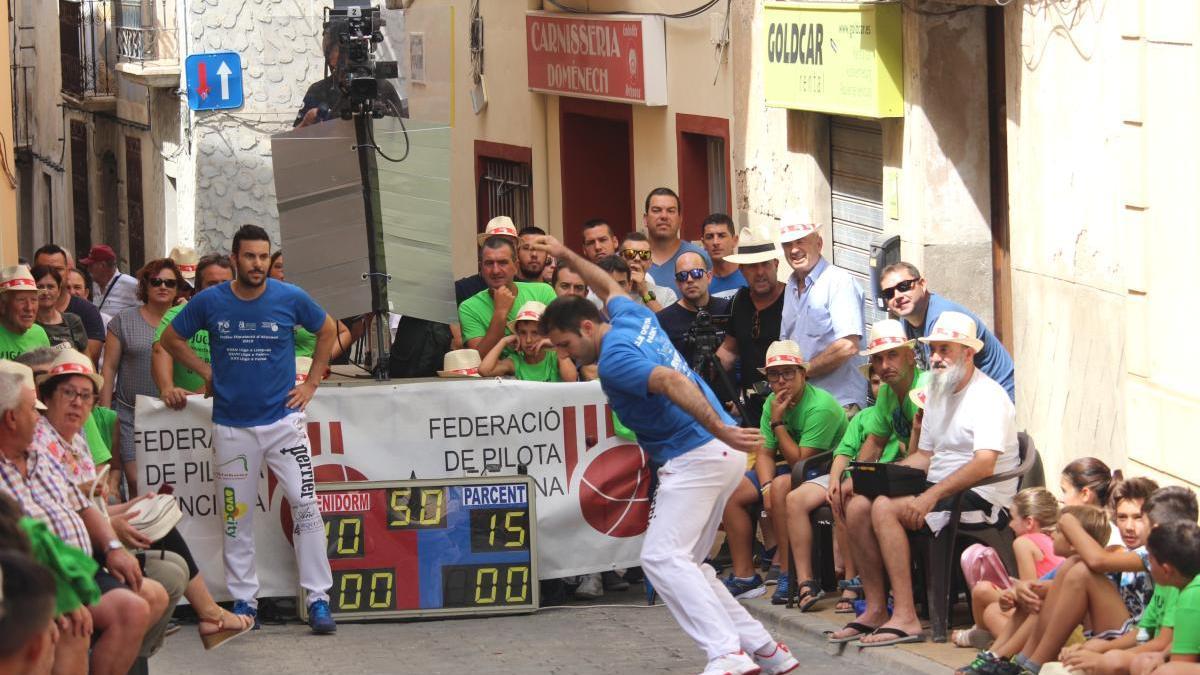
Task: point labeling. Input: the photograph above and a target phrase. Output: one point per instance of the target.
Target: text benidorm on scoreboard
(431, 547)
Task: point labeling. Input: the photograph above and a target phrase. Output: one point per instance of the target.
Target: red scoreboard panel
(459, 546)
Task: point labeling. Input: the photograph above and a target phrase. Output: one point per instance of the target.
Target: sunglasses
(169, 283)
(633, 254)
(683, 276)
(902, 287)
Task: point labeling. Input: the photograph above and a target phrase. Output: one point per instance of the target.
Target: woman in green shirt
(527, 354)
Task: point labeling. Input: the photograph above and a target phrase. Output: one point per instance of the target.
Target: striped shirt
(46, 494)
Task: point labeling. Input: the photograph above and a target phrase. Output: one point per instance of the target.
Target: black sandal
(810, 592)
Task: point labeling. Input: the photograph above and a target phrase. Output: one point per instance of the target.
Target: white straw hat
(530, 311)
(755, 245)
(16, 278)
(886, 334)
(783, 353)
(795, 225)
(26, 374)
(500, 226)
(71, 362)
(303, 365)
(186, 259)
(955, 327)
(460, 363)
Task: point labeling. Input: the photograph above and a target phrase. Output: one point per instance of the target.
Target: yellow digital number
(358, 581)
(492, 531)
(353, 549)
(399, 504)
(439, 503)
(511, 528)
(494, 575)
(386, 603)
(511, 597)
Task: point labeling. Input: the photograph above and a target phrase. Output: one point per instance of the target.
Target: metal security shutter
(856, 165)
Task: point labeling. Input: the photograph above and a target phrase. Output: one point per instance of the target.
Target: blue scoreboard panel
(459, 546)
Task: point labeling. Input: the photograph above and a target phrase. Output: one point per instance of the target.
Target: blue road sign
(214, 81)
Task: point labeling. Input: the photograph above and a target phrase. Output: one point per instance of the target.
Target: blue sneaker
(319, 618)
(780, 596)
(243, 608)
(744, 589)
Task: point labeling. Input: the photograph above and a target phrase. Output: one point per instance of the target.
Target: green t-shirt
(544, 371)
(868, 418)
(306, 342)
(475, 313)
(1187, 620)
(886, 422)
(622, 431)
(184, 377)
(817, 421)
(13, 345)
(1160, 611)
(97, 429)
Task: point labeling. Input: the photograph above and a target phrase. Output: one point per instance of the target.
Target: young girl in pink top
(1035, 513)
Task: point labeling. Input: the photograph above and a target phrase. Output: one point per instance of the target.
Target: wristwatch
(113, 545)
(648, 297)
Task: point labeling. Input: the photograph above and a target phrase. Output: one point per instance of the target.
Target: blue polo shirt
(727, 286)
(829, 307)
(664, 274)
(994, 360)
(633, 347)
(252, 345)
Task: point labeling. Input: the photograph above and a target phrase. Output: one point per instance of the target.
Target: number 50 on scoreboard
(430, 547)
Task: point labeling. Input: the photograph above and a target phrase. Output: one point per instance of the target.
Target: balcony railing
(86, 49)
(140, 45)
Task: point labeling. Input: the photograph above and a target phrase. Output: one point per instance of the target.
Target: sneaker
(779, 661)
(780, 596)
(243, 608)
(590, 587)
(319, 618)
(744, 589)
(772, 576)
(734, 663)
(613, 581)
(989, 664)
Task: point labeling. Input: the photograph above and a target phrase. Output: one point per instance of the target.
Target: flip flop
(900, 638)
(862, 628)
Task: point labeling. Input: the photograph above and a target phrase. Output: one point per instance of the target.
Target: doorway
(596, 142)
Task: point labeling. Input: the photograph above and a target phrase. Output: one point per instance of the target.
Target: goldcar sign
(837, 58)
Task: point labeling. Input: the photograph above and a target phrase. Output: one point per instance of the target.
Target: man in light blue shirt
(823, 313)
(662, 219)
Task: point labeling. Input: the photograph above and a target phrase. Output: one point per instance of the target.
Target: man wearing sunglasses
(908, 297)
(692, 277)
(635, 250)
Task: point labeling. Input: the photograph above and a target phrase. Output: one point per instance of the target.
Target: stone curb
(809, 628)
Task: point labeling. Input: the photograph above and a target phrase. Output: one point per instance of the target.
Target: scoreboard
(458, 546)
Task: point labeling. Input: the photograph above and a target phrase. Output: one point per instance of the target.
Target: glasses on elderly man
(689, 274)
(902, 287)
(634, 254)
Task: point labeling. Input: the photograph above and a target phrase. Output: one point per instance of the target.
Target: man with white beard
(968, 433)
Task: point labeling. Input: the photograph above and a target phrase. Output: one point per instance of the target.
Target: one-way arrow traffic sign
(226, 85)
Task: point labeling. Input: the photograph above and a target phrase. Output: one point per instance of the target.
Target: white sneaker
(778, 662)
(733, 663)
(590, 588)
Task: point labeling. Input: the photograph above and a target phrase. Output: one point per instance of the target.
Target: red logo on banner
(595, 58)
(614, 488)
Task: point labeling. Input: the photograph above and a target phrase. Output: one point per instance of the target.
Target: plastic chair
(938, 554)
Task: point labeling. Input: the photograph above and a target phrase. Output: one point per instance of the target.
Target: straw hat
(460, 363)
(71, 362)
(500, 226)
(783, 353)
(16, 278)
(795, 225)
(885, 335)
(918, 396)
(955, 327)
(186, 259)
(303, 364)
(530, 311)
(26, 374)
(755, 245)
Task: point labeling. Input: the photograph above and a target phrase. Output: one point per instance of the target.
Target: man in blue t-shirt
(908, 297)
(683, 427)
(662, 219)
(258, 412)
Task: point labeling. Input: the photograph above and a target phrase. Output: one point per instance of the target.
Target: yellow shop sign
(837, 58)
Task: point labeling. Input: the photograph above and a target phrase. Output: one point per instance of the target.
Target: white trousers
(238, 456)
(687, 509)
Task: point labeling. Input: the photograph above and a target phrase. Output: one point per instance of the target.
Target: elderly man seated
(968, 433)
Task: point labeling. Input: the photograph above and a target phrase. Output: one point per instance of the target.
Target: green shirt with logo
(13, 345)
(184, 377)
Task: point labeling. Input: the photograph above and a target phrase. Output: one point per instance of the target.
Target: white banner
(592, 487)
